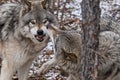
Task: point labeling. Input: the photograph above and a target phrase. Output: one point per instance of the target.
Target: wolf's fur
(67, 53)
(108, 24)
(21, 38)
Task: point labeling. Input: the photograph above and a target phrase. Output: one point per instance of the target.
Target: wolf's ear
(42, 4)
(28, 5)
(47, 5)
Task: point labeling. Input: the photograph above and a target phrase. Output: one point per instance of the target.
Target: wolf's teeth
(39, 37)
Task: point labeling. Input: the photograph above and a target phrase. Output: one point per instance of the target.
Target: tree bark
(90, 27)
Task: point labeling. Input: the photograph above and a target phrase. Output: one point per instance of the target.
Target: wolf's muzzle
(40, 32)
(40, 35)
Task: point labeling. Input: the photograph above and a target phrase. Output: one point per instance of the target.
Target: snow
(49, 46)
(105, 7)
(116, 2)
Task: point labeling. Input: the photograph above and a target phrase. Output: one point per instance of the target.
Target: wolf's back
(108, 24)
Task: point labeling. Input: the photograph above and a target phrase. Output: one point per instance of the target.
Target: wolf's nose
(40, 32)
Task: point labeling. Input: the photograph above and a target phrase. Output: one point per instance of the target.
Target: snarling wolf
(21, 36)
(67, 51)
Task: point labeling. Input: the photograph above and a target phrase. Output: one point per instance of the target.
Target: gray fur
(67, 54)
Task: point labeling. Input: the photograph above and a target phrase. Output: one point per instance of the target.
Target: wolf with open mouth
(21, 36)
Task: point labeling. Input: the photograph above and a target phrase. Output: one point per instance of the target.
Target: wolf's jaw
(40, 38)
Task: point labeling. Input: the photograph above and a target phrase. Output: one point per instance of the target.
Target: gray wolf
(67, 51)
(21, 37)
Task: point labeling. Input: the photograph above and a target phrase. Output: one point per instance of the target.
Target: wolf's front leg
(7, 70)
(23, 70)
(46, 66)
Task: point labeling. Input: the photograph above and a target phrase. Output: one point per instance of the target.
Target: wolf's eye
(45, 21)
(32, 22)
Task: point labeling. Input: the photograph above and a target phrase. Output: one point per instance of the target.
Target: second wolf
(67, 48)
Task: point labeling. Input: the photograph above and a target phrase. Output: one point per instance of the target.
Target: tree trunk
(90, 27)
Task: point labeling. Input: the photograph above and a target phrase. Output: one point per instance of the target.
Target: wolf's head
(34, 22)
